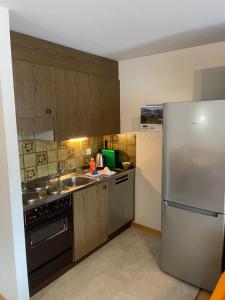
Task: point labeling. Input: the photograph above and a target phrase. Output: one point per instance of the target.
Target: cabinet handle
(104, 187)
(48, 111)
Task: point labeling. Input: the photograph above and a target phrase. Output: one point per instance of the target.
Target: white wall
(172, 76)
(13, 271)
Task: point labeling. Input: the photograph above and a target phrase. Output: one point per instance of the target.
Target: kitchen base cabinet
(90, 219)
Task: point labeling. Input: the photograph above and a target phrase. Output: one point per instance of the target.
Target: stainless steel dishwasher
(121, 201)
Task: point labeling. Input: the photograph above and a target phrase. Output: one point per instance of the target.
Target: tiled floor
(125, 268)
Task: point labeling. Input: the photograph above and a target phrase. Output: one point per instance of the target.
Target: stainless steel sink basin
(77, 181)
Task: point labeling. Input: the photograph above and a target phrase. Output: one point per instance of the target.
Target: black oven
(49, 241)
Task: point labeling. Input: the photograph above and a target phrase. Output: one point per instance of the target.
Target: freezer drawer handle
(192, 209)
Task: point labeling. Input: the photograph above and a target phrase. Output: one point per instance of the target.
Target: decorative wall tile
(79, 152)
(85, 147)
(62, 145)
(42, 170)
(131, 150)
(87, 160)
(52, 156)
(122, 147)
(41, 158)
(52, 146)
(71, 152)
(22, 174)
(30, 173)
(62, 155)
(131, 139)
(79, 162)
(28, 146)
(20, 146)
(94, 148)
(21, 162)
(40, 145)
(70, 164)
(52, 168)
(108, 138)
(115, 138)
(126, 144)
(29, 160)
(122, 138)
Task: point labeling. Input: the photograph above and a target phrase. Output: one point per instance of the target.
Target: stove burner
(39, 189)
(31, 201)
(30, 198)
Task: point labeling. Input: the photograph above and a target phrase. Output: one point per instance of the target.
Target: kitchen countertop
(45, 198)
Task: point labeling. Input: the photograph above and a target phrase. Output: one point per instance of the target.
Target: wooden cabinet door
(111, 98)
(97, 106)
(24, 89)
(34, 96)
(104, 106)
(90, 219)
(83, 125)
(44, 91)
(65, 90)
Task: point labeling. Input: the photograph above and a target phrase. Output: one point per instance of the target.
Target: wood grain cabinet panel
(43, 52)
(83, 124)
(65, 90)
(97, 106)
(104, 106)
(44, 91)
(34, 96)
(24, 89)
(90, 219)
(74, 93)
(111, 98)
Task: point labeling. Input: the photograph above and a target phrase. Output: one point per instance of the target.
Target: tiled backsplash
(40, 158)
(125, 143)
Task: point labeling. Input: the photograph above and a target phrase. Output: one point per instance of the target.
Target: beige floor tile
(125, 268)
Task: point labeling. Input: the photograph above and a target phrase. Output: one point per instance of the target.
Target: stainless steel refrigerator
(193, 191)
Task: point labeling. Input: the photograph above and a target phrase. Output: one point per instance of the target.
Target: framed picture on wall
(152, 117)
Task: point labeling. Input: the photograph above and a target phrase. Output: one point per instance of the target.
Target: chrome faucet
(61, 168)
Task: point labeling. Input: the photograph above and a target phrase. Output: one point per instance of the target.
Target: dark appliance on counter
(49, 241)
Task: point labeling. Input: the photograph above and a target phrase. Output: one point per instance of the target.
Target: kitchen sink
(77, 181)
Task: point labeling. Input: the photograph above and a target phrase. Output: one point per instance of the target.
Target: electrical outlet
(88, 151)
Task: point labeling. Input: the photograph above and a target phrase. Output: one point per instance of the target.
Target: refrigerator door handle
(191, 209)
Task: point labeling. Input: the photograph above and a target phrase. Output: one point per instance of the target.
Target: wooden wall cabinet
(74, 93)
(90, 219)
(34, 88)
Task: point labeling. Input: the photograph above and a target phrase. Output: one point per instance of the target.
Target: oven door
(47, 239)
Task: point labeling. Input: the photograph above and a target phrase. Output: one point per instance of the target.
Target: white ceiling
(120, 29)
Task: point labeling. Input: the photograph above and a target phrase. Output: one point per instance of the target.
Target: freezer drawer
(192, 245)
(121, 201)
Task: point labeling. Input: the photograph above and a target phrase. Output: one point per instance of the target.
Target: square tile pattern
(126, 268)
(39, 158)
